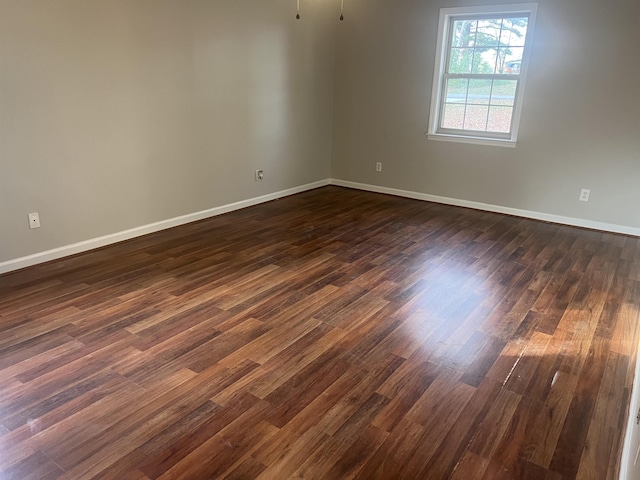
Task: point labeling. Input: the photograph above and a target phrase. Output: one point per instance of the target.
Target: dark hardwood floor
(333, 334)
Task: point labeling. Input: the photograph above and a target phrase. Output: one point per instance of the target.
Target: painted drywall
(118, 113)
(579, 126)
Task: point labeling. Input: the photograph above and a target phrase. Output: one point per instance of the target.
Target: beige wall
(580, 125)
(119, 113)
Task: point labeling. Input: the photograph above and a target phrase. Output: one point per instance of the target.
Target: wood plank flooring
(334, 334)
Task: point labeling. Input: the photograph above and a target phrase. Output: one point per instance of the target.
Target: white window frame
(447, 15)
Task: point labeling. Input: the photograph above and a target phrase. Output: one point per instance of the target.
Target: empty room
(320, 239)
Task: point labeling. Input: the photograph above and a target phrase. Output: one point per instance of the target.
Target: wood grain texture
(333, 334)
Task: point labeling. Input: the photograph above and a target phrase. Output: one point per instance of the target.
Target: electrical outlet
(34, 220)
(584, 195)
(259, 175)
(378, 166)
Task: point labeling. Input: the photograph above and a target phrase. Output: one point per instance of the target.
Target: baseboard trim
(546, 217)
(67, 250)
(631, 442)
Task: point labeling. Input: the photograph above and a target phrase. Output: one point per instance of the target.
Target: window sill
(494, 142)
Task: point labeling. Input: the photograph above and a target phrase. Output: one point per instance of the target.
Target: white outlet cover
(584, 195)
(34, 220)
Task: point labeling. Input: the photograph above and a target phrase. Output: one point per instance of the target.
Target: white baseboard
(65, 251)
(631, 442)
(41, 257)
(546, 217)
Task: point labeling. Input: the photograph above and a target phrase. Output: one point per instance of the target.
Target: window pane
(488, 32)
(460, 60)
(479, 92)
(500, 119)
(476, 117)
(484, 61)
(456, 90)
(514, 31)
(510, 60)
(463, 33)
(504, 92)
(453, 116)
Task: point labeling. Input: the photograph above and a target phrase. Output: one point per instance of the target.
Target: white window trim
(446, 14)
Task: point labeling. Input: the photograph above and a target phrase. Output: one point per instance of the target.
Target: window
(481, 64)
